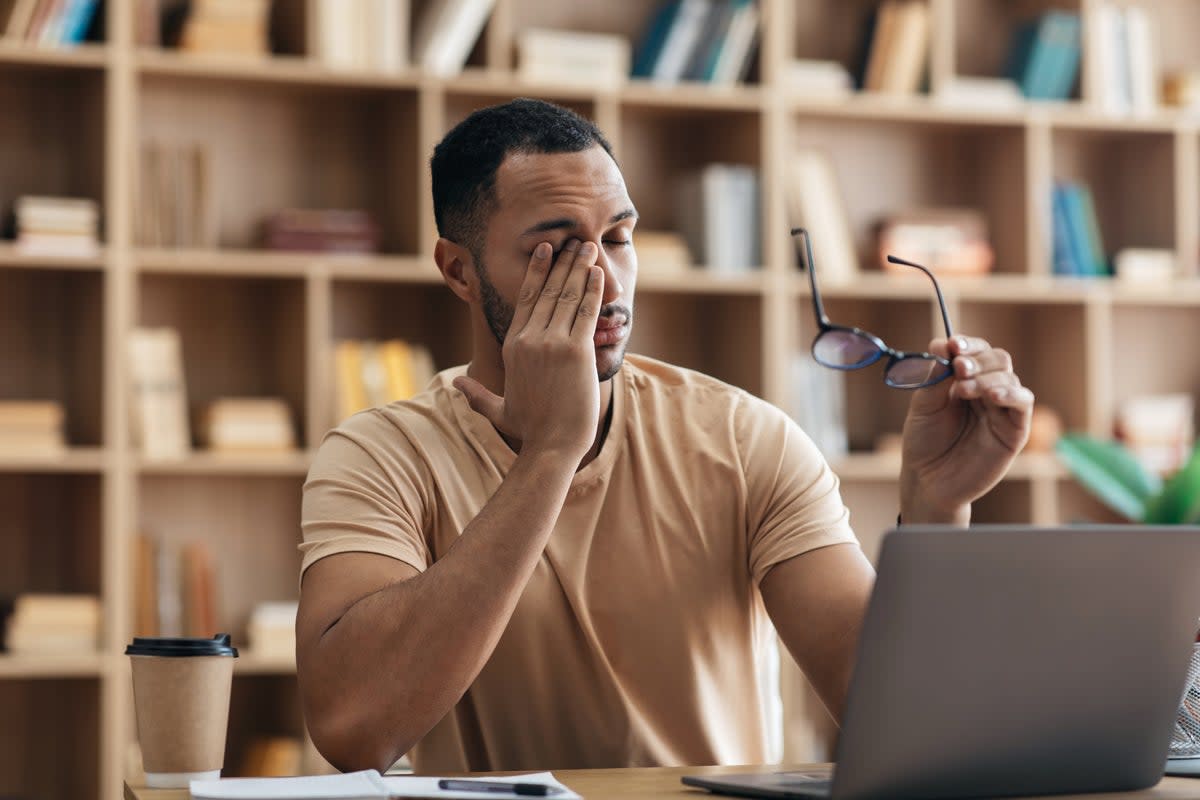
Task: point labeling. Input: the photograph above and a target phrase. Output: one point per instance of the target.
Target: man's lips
(610, 330)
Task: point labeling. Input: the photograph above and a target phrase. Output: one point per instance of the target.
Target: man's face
(555, 198)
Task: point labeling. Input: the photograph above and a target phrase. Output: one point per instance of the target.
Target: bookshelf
(287, 130)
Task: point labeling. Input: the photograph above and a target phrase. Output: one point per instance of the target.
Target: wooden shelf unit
(287, 131)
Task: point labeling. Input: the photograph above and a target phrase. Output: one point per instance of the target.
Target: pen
(495, 787)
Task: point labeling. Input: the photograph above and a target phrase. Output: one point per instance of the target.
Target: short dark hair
(465, 162)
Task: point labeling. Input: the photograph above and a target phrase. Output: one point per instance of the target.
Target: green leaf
(1178, 501)
(1110, 473)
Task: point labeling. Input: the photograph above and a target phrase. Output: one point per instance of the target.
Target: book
(815, 202)
(53, 624)
(145, 579)
(19, 18)
(57, 226)
(669, 41)
(32, 428)
(248, 425)
(1044, 56)
(158, 393)
(1123, 64)
(718, 215)
(321, 230)
(903, 69)
(226, 27)
(662, 253)
(816, 78)
(446, 34)
(176, 202)
(1145, 265)
(271, 630)
(591, 59)
(372, 373)
(968, 92)
(199, 591)
(734, 58)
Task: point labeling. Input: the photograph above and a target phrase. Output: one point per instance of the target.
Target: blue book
(1077, 223)
(1068, 47)
(1092, 224)
(652, 43)
(1064, 263)
(79, 20)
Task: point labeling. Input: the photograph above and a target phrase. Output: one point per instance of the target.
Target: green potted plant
(1119, 481)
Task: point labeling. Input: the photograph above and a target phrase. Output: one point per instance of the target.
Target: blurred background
(217, 243)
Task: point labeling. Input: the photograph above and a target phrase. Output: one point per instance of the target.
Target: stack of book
(950, 241)
(248, 425)
(819, 405)
(718, 214)
(699, 40)
(897, 48)
(446, 33)
(1122, 54)
(176, 198)
(1044, 57)
(371, 374)
(588, 59)
(43, 624)
(1078, 247)
(226, 27)
(359, 34)
(31, 428)
(321, 230)
(272, 630)
(1158, 430)
(816, 78)
(57, 226)
(48, 22)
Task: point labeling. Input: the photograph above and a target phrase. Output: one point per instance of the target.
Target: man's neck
(492, 378)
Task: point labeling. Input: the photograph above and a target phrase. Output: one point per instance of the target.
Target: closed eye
(617, 242)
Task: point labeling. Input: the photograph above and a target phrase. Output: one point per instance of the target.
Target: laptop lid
(1020, 661)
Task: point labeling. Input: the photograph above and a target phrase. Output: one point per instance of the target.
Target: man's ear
(457, 266)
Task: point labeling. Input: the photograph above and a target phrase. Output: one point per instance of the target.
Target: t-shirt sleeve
(359, 499)
(793, 504)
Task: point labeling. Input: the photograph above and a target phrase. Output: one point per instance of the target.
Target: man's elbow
(350, 743)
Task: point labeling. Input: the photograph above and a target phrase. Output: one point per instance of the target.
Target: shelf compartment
(247, 522)
(428, 315)
(873, 408)
(55, 145)
(1151, 352)
(306, 147)
(1008, 503)
(1131, 175)
(51, 540)
(241, 337)
(48, 724)
(260, 705)
(1044, 340)
(719, 336)
(51, 325)
(673, 142)
(889, 166)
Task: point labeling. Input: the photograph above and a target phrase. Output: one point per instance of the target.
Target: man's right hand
(551, 399)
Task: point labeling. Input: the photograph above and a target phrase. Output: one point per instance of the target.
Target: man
(557, 556)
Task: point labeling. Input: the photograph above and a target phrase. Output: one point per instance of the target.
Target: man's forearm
(399, 659)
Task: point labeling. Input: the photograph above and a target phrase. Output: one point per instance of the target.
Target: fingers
(543, 310)
(481, 400)
(998, 388)
(588, 311)
(567, 305)
(531, 287)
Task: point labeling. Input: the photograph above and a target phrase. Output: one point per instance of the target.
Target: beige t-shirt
(635, 641)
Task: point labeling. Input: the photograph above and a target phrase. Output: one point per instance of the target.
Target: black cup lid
(178, 647)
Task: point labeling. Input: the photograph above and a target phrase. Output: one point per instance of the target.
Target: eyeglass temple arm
(812, 276)
(936, 288)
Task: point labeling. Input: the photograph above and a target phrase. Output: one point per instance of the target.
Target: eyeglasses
(844, 348)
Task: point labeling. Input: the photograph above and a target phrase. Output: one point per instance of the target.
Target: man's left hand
(961, 435)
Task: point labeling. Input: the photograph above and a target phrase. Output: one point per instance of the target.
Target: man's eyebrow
(566, 223)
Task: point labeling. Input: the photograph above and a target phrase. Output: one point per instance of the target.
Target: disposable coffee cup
(181, 694)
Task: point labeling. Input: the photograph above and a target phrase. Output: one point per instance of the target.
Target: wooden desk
(651, 784)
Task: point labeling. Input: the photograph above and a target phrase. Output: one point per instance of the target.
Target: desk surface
(651, 784)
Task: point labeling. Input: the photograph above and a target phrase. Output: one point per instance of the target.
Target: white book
(733, 62)
(1143, 69)
(447, 33)
(592, 59)
(815, 202)
(389, 34)
(1112, 60)
(681, 40)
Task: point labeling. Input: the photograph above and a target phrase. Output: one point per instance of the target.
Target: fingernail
(961, 341)
(969, 365)
(588, 250)
(572, 245)
(542, 250)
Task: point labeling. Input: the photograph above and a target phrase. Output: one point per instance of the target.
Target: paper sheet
(365, 785)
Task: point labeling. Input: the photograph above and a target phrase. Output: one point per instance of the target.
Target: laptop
(1009, 660)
